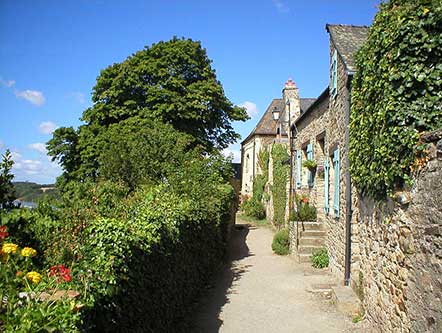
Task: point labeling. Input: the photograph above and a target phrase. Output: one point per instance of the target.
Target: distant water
(26, 204)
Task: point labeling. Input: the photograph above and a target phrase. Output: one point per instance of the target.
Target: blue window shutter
(298, 168)
(336, 165)
(310, 157)
(334, 78)
(326, 186)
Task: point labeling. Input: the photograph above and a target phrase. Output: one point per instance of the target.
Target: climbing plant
(254, 206)
(280, 158)
(397, 93)
(260, 181)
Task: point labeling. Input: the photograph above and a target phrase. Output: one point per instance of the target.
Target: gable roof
(266, 125)
(324, 95)
(347, 40)
(306, 102)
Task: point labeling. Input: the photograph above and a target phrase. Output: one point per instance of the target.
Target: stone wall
(400, 246)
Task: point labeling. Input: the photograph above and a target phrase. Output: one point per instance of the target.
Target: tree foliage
(169, 83)
(7, 193)
(397, 93)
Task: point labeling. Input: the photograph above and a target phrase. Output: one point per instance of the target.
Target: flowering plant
(30, 300)
(63, 273)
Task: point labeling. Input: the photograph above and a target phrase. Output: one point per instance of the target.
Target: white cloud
(7, 83)
(78, 96)
(32, 96)
(251, 108)
(47, 127)
(281, 6)
(1, 144)
(38, 146)
(235, 154)
(40, 170)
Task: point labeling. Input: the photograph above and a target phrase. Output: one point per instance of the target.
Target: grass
(248, 219)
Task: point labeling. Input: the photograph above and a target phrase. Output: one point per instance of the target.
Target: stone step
(308, 249)
(346, 300)
(323, 289)
(312, 226)
(313, 241)
(304, 257)
(313, 233)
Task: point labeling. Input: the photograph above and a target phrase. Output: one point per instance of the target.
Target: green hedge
(397, 93)
(146, 272)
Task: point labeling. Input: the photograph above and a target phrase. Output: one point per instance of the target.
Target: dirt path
(262, 292)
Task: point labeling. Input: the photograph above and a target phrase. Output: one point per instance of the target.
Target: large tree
(170, 82)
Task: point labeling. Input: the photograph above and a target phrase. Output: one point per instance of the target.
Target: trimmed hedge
(397, 93)
(148, 270)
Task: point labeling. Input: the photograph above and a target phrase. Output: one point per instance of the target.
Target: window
(334, 75)
(298, 168)
(247, 163)
(336, 167)
(310, 157)
(326, 185)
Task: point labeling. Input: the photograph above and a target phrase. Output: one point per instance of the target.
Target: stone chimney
(292, 103)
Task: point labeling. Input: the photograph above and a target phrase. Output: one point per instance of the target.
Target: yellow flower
(34, 277)
(28, 252)
(426, 10)
(9, 248)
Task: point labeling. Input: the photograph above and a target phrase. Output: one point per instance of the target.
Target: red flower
(304, 200)
(63, 273)
(3, 232)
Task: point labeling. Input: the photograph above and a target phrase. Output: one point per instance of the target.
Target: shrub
(254, 208)
(320, 258)
(146, 271)
(281, 242)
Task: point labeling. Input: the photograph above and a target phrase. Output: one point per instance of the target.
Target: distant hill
(29, 191)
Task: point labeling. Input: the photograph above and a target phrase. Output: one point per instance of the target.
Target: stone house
(273, 126)
(388, 252)
(321, 134)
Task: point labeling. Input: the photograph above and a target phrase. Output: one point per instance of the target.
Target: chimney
(290, 95)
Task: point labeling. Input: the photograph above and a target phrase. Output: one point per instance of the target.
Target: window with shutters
(334, 75)
(336, 180)
(298, 168)
(310, 173)
(326, 185)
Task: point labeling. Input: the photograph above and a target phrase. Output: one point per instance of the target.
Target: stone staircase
(311, 238)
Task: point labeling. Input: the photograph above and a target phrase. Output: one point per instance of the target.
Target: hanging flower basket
(310, 164)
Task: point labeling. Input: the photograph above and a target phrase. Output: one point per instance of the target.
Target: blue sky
(52, 51)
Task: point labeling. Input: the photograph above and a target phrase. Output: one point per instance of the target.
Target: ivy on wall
(281, 168)
(397, 93)
(260, 181)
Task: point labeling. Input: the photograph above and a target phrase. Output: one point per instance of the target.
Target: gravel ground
(259, 291)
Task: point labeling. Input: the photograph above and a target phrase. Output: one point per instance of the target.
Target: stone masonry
(400, 282)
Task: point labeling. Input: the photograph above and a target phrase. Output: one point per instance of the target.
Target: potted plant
(310, 164)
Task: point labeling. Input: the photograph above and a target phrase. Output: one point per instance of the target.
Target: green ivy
(397, 93)
(280, 158)
(254, 206)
